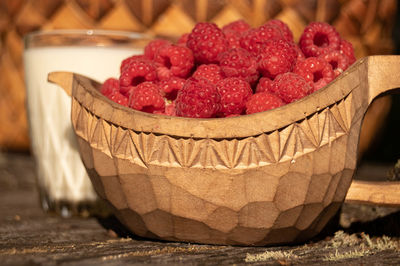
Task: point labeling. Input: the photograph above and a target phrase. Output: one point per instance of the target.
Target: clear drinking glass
(64, 186)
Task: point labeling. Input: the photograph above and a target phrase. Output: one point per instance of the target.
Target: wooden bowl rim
(216, 128)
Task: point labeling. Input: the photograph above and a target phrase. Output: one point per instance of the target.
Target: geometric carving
(272, 177)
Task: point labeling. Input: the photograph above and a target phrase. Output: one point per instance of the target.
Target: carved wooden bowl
(268, 178)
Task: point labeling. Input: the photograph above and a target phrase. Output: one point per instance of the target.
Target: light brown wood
(272, 177)
(374, 193)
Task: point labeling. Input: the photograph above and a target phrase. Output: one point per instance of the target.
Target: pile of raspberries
(230, 71)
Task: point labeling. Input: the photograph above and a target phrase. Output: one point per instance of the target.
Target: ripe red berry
(171, 86)
(173, 61)
(211, 72)
(151, 48)
(146, 97)
(276, 57)
(239, 26)
(254, 39)
(127, 61)
(264, 84)
(110, 89)
(346, 48)
(286, 32)
(317, 38)
(291, 87)
(262, 101)
(198, 98)
(239, 63)
(316, 71)
(136, 72)
(206, 41)
(234, 94)
(337, 60)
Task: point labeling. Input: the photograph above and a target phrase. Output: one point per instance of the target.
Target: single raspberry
(206, 41)
(276, 57)
(233, 39)
(234, 31)
(254, 39)
(169, 109)
(338, 61)
(127, 61)
(146, 97)
(286, 32)
(110, 89)
(291, 87)
(317, 38)
(135, 73)
(198, 98)
(170, 87)
(347, 49)
(262, 101)
(109, 86)
(211, 72)
(183, 39)
(264, 84)
(300, 55)
(151, 48)
(239, 63)
(234, 94)
(239, 26)
(316, 71)
(173, 61)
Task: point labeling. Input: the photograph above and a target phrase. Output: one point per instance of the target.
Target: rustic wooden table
(28, 236)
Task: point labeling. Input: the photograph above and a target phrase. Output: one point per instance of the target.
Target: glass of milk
(64, 186)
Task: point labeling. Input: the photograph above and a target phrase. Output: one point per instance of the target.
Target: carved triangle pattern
(284, 144)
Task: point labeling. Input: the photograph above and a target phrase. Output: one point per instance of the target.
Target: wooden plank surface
(28, 236)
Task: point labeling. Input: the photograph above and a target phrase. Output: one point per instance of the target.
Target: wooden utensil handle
(374, 193)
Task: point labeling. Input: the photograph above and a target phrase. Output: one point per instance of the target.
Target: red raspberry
(239, 26)
(109, 86)
(291, 87)
(151, 48)
(211, 72)
(110, 89)
(234, 94)
(183, 39)
(127, 61)
(347, 49)
(173, 60)
(286, 32)
(317, 38)
(262, 101)
(254, 39)
(276, 57)
(169, 110)
(300, 55)
(206, 41)
(146, 97)
(338, 61)
(135, 73)
(316, 71)
(239, 63)
(233, 39)
(198, 98)
(264, 84)
(170, 87)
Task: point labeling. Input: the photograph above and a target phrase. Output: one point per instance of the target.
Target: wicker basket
(352, 18)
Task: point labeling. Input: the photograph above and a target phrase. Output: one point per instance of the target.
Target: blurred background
(370, 25)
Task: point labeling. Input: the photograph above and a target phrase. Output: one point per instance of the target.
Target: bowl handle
(63, 79)
(382, 74)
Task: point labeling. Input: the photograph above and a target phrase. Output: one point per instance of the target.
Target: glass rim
(75, 33)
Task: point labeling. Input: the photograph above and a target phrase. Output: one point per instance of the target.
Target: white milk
(61, 174)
